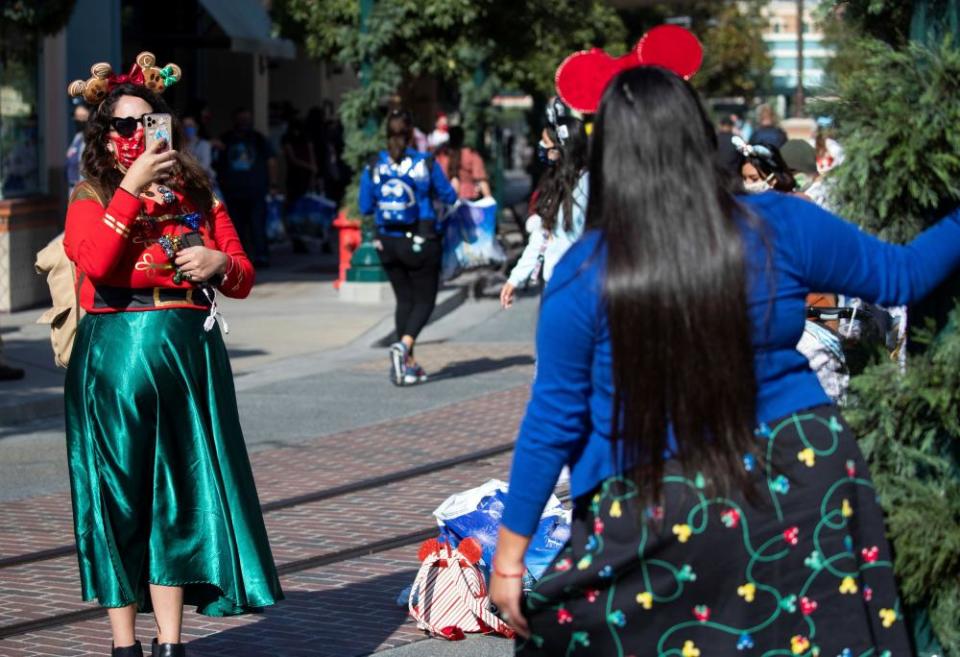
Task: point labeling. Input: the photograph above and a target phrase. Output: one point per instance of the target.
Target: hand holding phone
(198, 263)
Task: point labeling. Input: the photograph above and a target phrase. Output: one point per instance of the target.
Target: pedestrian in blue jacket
(399, 189)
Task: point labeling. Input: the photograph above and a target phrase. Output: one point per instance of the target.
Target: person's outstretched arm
(834, 254)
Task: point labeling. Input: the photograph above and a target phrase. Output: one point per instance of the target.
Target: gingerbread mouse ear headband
(144, 73)
(582, 77)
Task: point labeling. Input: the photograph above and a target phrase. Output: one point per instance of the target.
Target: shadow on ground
(349, 621)
(243, 353)
(479, 366)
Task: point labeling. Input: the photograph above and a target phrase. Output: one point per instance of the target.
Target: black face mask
(80, 126)
(543, 154)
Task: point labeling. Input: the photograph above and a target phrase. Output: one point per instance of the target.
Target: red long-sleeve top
(114, 245)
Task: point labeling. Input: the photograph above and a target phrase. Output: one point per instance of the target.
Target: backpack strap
(85, 191)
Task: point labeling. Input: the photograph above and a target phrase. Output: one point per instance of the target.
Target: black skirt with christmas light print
(804, 570)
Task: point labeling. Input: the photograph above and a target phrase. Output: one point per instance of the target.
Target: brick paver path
(342, 609)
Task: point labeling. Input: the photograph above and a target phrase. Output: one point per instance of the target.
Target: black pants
(415, 278)
(249, 216)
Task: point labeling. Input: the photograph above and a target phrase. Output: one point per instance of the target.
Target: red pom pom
(430, 546)
(470, 550)
(453, 633)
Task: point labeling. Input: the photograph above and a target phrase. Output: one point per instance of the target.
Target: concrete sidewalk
(293, 312)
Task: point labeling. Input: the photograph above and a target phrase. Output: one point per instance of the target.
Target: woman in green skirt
(165, 508)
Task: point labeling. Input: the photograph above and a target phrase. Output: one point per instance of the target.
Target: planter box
(26, 225)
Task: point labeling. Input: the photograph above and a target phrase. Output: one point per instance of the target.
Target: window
(19, 121)
(785, 63)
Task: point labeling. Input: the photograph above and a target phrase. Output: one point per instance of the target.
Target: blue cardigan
(568, 418)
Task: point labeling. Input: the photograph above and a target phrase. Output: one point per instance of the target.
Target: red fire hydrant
(349, 239)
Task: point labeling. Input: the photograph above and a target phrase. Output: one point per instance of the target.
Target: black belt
(125, 298)
(426, 228)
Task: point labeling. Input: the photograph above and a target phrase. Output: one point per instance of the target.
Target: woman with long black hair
(720, 502)
(561, 199)
(399, 189)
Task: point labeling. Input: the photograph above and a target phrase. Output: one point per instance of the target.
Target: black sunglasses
(126, 125)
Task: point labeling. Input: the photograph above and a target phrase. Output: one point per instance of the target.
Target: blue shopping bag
(311, 214)
(275, 229)
(477, 513)
(470, 238)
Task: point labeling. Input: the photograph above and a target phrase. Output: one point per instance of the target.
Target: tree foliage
(735, 60)
(909, 429)
(887, 20)
(474, 46)
(47, 17)
(896, 114)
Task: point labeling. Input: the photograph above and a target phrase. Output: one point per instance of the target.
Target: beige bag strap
(78, 283)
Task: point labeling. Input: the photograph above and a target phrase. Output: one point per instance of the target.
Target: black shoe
(169, 649)
(136, 650)
(8, 373)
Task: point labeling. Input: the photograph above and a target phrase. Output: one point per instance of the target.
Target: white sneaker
(414, 375)
(398, 363)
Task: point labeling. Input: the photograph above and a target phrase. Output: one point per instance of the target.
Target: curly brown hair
(100, 164)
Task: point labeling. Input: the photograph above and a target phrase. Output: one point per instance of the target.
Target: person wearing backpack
(398, 188)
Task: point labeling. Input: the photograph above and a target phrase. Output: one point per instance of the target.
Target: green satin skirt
(162, 487)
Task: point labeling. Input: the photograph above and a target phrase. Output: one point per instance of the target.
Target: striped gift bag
(449, 596)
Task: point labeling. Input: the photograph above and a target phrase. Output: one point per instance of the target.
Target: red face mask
(128, 149)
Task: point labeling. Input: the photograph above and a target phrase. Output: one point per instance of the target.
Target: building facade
(781, 40)
(230, 60)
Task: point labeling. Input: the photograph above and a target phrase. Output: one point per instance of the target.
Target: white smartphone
(158, 127)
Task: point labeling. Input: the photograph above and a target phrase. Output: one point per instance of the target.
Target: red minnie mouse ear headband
(583, 76)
